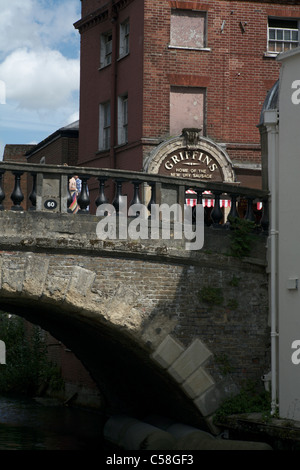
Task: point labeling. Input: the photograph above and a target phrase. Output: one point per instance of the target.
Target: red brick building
(58, 148)
(150, 68)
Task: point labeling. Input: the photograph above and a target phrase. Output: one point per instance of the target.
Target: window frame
(205, 35)
(105, 49)
(192, 90)
(104, 126)
(124, 34)
(281, 42)
(123, 119)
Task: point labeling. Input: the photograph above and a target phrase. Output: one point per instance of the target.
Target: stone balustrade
(49, 192)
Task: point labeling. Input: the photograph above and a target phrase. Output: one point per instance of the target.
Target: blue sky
(39, 68)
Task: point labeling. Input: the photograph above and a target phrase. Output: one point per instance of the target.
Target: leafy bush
(211, 295)
(27, 366)
(241, 236)
(249, 400)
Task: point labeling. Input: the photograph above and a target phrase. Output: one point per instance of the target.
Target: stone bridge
(161, 329)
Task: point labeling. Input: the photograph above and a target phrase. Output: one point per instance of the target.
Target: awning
(210, 202)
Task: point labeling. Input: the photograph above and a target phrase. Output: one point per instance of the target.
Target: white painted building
(280, 131)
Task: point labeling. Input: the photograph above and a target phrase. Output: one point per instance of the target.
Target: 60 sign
(50, 204)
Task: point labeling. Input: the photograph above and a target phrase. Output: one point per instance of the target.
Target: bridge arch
(131, 310)
(103, 334)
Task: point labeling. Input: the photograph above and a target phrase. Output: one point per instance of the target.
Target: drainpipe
(113, 101)
(271, 122)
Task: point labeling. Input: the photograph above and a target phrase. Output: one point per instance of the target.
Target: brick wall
(59, 151)
(235, 72)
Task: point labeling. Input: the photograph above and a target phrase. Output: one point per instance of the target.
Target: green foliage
(27, 366)
(234, 282)
(211, 295)
(249, 400)
(232, 304)
(241, 237)
(224, 364)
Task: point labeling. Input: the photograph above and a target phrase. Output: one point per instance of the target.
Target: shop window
(104, 126)
(283, 35)
(122, 119)
(106, 49)
(187, 106)
(124, 39)
(188, 29)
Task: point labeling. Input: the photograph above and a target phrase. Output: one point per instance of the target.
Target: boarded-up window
(186, 108)
(188, 28)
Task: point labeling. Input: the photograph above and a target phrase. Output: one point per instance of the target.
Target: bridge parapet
(50, 192)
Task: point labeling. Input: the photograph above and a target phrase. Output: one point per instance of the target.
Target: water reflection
(28, 425)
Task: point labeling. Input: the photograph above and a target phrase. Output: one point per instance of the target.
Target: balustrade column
(32, 195)
(249, 212)
(153, 196)
(118, 195)
(17, 195)
(233, 213)
(216, 214)
(199, 193)
(2, 194)
(101, 199)
(136, 196)
(264, 222)
(83, 199)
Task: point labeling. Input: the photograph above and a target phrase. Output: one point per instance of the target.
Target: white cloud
(37, 23)
(15, 29)
(56, 22)
(39, 65)
(72, 118)
(41, 79)
(1, 150)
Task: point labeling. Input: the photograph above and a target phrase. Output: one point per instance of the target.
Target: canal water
(28, 424)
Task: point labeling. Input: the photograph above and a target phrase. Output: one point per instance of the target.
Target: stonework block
(197, 383)
(36, 270)
(12, 274)
(56, 288)
(167, 352)
(81, 281)
(1, 275)
(210, 401)
(194, 356)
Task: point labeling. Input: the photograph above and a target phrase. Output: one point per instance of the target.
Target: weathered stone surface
(36, 269)
(197, 383)
(79, 288)
(53, 266)
(210, 400)
(167, 352)
(2, 352)
(194, 356)
(12, 274)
